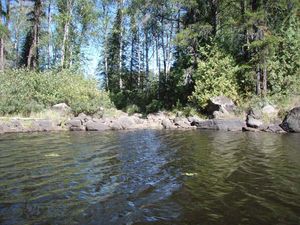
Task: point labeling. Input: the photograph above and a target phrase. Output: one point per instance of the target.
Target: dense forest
(154, 54)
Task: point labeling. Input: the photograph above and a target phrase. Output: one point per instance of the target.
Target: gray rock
(43, 125)
(182, 122)
(62, 108)
(273, 128)
(96, 126)
(126, 122)
(12, 126)
(75, 124)
(194, 120)
(226, 125)
(291, 122)
(250, 129)
(269, 110)
(84, 118)
(254, 123)
(167, 124)
(220, 107)
(115, 125)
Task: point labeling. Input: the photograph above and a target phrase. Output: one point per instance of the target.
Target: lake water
(150, 177)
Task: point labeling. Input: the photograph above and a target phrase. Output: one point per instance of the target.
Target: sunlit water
(150, 177)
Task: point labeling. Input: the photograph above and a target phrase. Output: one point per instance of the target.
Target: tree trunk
(121, 48)
(49, 35)
(265, 77)
(214, 16)
(66, 35)
(258, 78)
(17, 33)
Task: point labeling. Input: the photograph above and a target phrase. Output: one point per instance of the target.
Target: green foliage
(131, 109)
(23, 91)
(154, 106)
(216, 75)
(285, 64)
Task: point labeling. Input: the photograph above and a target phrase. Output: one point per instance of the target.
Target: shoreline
(157, 121)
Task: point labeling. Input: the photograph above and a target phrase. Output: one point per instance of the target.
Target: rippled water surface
(150, 177)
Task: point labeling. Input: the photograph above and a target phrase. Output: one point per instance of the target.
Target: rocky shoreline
(224, 121)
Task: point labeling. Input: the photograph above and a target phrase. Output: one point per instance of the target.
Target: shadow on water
(150, 177)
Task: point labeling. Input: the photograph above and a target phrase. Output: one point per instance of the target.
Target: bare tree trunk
(258, 77)
(30, 60)
(139, 57)
(214, 15)
(66, 35)
(264, 80)
(17, 33)
(49, 34)
(163, 48)
(1, 41)
(2, 44)
(121, 48)
(147, 56)
(1, 53)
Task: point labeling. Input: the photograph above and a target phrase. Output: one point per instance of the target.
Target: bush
(131, 109)
(154, 106)
(216, 75)
(23, 91)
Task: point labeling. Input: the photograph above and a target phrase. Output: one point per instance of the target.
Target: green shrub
(131, 109)
(154, 106)
(216, 75)
(23, 91)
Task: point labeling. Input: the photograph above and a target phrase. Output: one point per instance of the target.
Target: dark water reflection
(150, 177)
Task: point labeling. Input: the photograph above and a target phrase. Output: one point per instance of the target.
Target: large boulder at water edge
(291, 122)
(219, 124)
(96, 126)
(254, 118)
(75, 124)
(126, 122)
(167, 124)
(220, 107)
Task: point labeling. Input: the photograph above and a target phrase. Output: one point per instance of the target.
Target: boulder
(182, 122)
(291, 122)
(115, 125)
(96, 126)
(254, 123)
(274, 128)
(167, 124)
(42, 125)
(269, 110)
(126, 122)
(12, 126)
(62, 108)
(84, 118)
(75, 124)
(226, 125)
(220, 107)
(194, 120)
